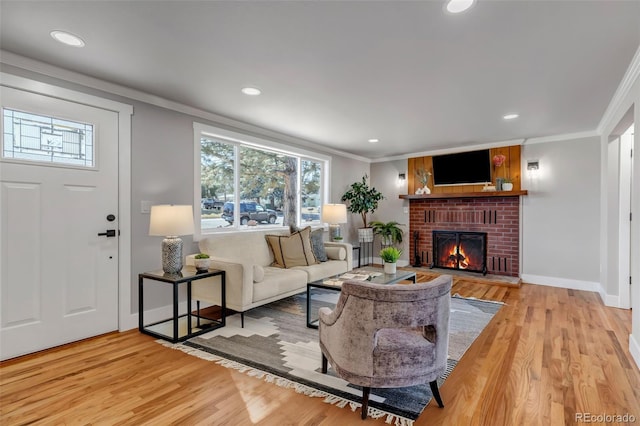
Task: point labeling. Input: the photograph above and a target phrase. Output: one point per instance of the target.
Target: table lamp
(334, 215)
(171, 221)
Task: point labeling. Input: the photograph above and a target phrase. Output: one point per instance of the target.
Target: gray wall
(561, 214)
(384, 176)
(344, 172)
(162, 173)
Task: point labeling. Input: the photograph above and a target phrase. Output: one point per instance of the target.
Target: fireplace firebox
(462, 250)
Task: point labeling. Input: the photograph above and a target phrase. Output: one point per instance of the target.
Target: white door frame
(624, 208)
(124, 112)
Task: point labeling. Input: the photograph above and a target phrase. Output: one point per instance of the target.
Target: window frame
(56, 164)
(240, 139)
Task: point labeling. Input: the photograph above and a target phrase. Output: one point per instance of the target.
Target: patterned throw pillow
(317, 242)
(292, 250)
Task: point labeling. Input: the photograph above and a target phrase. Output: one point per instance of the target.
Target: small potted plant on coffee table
(202, 261)
(390, 256)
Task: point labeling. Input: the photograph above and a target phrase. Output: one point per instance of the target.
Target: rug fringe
(285, 383)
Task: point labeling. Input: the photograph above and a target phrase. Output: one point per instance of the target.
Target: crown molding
(560, 138)
(73, 77)
(624, 88)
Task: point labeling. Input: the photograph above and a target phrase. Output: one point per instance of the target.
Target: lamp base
(172, 255)
(334, 231)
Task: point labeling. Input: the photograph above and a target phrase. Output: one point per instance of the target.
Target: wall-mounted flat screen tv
(471, 167)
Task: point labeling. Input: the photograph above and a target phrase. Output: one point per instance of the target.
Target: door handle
(109, 233)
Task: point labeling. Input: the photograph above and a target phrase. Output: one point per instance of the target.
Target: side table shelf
(181, 326)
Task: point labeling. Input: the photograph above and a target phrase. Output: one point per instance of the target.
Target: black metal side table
(180, 325)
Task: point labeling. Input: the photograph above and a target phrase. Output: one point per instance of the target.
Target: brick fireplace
(497, 216)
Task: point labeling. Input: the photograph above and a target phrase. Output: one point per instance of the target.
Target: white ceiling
(337, 73)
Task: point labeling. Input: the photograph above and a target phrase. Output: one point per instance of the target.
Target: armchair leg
(436, 393)
(324, 364)
(365, 401)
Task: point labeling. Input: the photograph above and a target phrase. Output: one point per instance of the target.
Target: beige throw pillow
(292, 250)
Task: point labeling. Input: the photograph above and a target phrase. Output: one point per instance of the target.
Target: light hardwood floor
(547, 355)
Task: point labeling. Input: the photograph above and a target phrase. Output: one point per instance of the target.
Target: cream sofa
(251, 281)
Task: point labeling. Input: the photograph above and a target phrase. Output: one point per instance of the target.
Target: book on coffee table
(357, 277)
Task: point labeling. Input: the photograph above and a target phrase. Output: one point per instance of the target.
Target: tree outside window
(268, 178)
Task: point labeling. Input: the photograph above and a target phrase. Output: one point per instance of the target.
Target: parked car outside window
(249, 210)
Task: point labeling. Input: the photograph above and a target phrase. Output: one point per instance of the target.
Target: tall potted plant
(362, 200)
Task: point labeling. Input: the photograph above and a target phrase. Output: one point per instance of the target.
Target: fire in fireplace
(460, 250)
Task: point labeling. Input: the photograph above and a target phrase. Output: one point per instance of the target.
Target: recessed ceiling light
(67, 38)
(251, 91)
(510, 116)
(374, 140)
(457, 6)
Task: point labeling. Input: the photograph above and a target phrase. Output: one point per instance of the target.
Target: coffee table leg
(309, 307)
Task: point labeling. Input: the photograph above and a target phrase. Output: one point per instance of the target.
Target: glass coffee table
(370, 275)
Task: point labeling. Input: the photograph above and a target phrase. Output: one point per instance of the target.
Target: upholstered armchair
(388, 336)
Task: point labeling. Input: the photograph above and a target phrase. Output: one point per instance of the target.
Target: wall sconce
(402, 178)
(533, 165)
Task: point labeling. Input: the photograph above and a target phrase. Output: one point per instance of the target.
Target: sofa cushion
(323, 270)
(292, 250)
(278, 281)
(258, 273)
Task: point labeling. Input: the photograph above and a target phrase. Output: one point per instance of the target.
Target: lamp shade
(170, 220)
(334, 213)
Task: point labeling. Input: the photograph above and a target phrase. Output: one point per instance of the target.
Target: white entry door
(58, 192)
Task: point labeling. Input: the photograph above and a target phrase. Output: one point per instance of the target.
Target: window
(244, 182)
(32, 137)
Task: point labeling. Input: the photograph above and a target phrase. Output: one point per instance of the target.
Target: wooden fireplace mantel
(482, 194)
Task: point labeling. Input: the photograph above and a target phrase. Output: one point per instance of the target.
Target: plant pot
(507, 186)
(390, 268)
(365, 235)
(202, 264)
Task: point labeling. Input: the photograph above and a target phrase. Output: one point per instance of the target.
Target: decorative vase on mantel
(423, 177)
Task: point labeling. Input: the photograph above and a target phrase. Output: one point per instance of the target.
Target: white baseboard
(561, 282)
(611, 300)
(608, 299)
(634, 348)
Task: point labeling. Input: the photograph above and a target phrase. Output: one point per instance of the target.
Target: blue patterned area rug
(276, 345)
